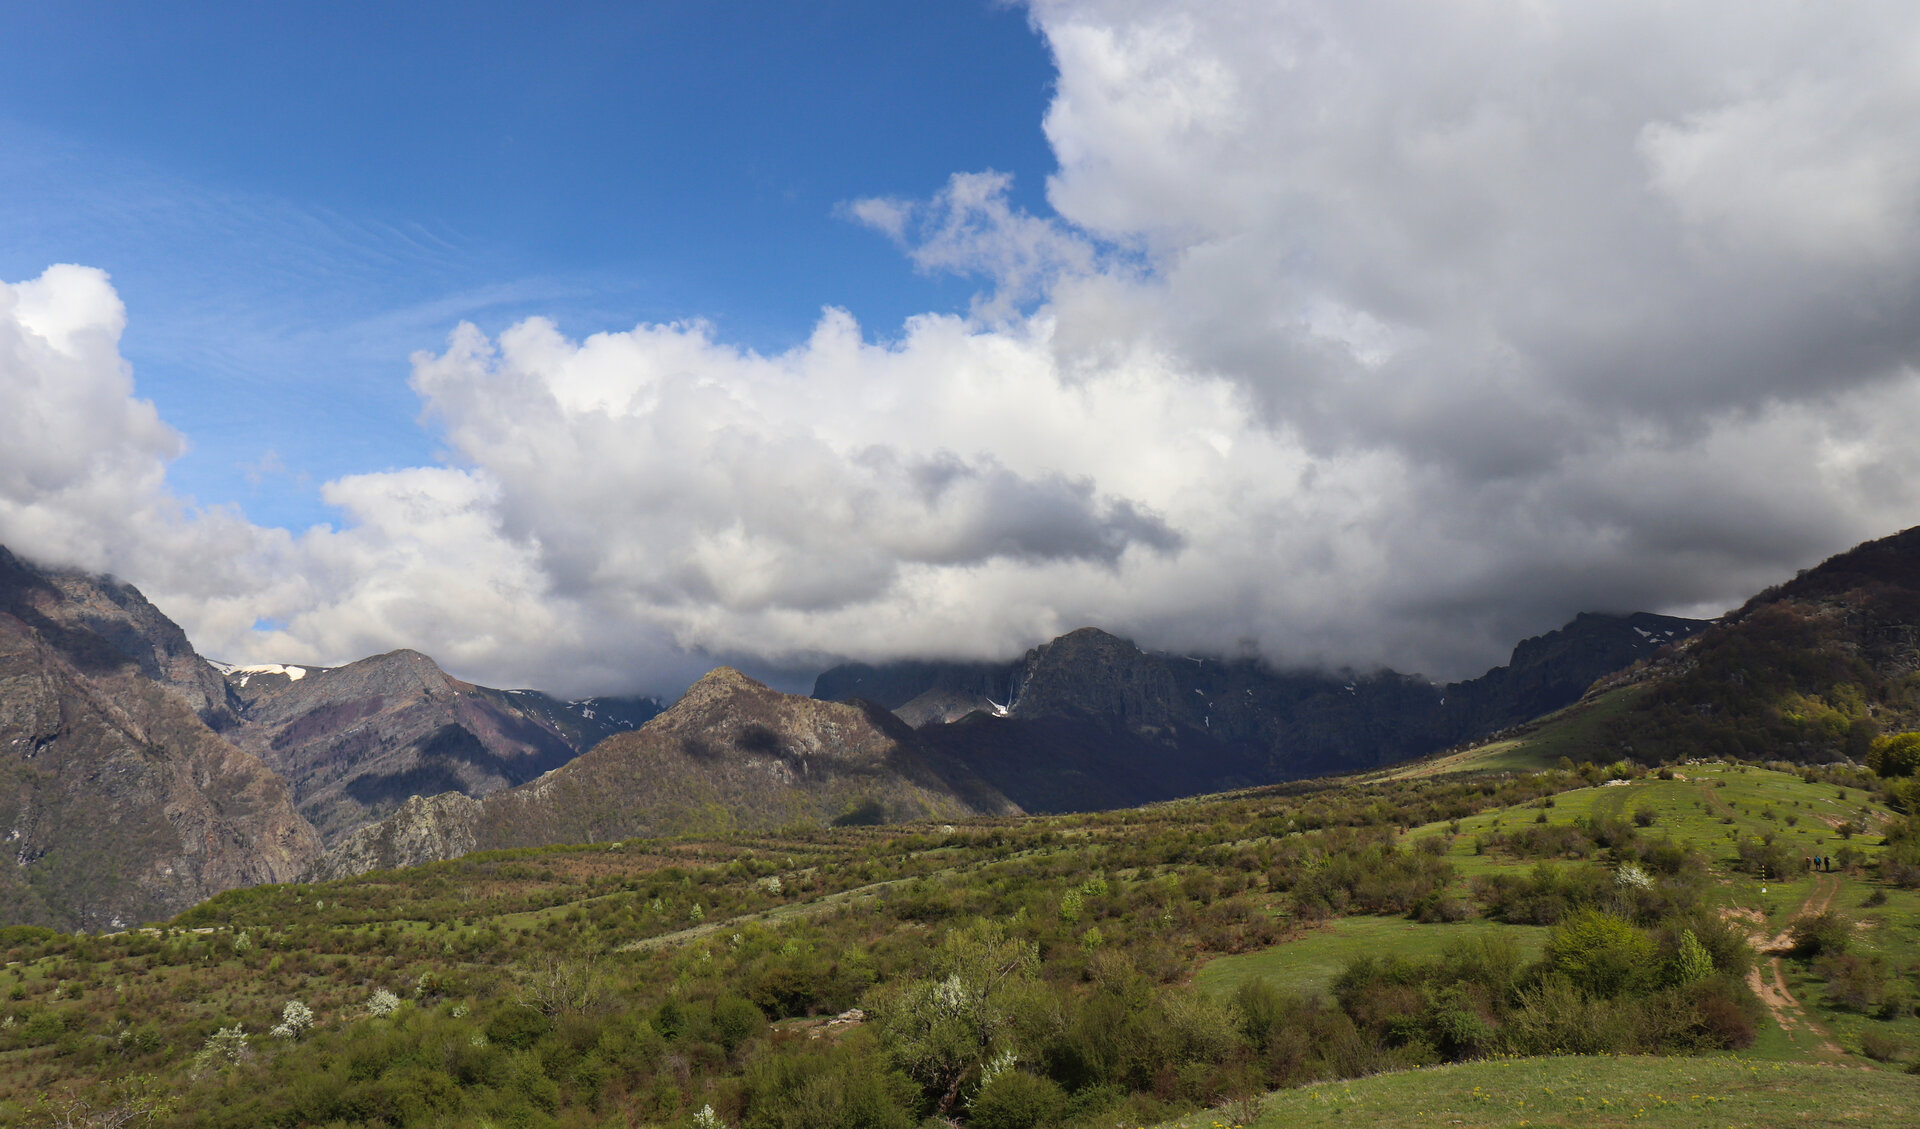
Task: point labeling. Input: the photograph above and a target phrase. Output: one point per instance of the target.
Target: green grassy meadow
(1810, 1064)
(1309, 963)
(1600, 1091)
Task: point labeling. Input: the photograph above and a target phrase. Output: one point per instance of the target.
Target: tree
(1895, 755)
(564, 985)
(941, 1028)
(1692, 962)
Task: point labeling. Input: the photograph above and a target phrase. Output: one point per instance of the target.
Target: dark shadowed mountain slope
(730, 755)
(118, 803)
(1811, 670)
(356, 741)
(1090, 721)
(1552, 670)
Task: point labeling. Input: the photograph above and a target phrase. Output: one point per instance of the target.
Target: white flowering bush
(707, 1119)
(295, 1019)
(382, 1003)
(224, 1048)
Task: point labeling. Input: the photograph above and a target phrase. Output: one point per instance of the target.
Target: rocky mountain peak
(100, 624)
(1093, 672)
(120, 803)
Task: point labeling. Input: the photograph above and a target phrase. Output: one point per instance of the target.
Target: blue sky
(612, 342)
(291, 199)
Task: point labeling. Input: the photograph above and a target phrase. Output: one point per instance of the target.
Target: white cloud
(969, 228)
(1364, 333)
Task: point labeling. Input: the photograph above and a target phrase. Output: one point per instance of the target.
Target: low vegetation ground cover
(1311, 962)
(1078, 971)
(1645, 1092)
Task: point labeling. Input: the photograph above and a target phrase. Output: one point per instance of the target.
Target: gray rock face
(118, 802)
(355, 742)
(424, 829)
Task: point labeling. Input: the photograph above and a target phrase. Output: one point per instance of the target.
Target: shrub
(295, 1018)
(1554, 1017)
(735, 1021)
(1823, 934)
(1853, 981)
(1764, 859)
(382, 1003)
(1728, 1014)
(1882, 1047)
(1014, 1099)
(1600, 953)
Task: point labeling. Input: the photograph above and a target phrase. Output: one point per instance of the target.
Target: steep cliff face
(731, 755)
(357, 741)
(79, 613)
(118, 803)
(423, 829)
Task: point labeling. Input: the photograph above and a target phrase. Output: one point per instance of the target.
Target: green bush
(517, 1028)
(735, 1021)
(1014, 1099)
(1601, 954)
(1823, 934)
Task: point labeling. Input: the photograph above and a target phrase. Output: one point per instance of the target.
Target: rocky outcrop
(730, 755)
(355, 742)
(118, 802)
(424, 829)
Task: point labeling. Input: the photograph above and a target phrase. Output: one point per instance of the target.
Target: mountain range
(1090, 721)
(136, 777)
(354, 742)
(730, 755)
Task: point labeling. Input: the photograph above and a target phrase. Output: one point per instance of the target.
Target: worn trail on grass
(1786, 1010)
(799, 909)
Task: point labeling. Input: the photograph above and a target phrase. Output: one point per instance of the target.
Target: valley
(764, 911)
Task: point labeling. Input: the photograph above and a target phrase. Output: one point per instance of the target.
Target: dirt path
(1786, 1010)
(792, 909)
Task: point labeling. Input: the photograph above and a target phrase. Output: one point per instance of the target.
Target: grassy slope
(536, 893)
(1310, 963)
(1539, 744)
(1594, 1093)
(1709, 807)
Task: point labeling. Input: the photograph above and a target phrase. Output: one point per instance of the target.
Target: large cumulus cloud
(1362, 333)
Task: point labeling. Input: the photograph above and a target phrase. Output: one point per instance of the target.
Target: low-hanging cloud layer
(1364, 333)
